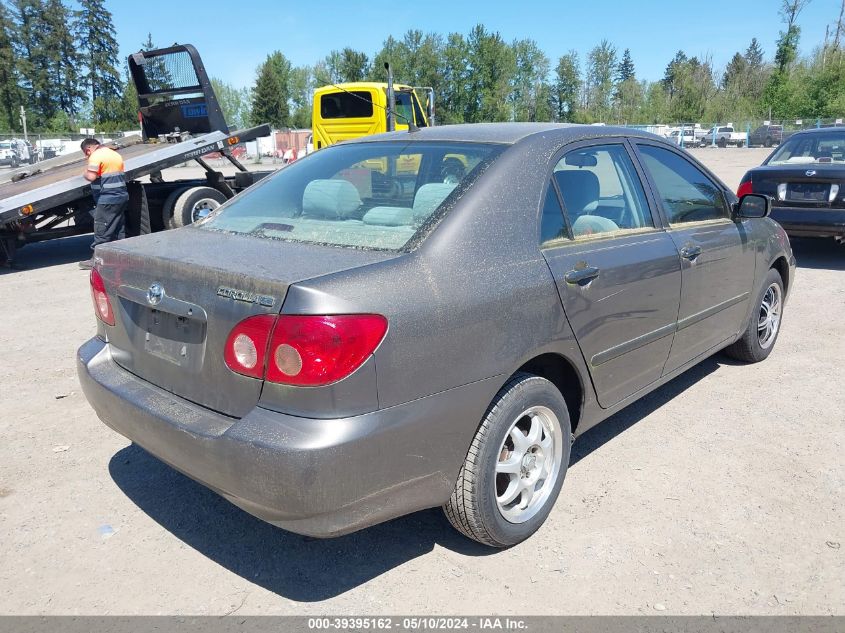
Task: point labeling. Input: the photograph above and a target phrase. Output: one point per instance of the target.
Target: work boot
(88, 264)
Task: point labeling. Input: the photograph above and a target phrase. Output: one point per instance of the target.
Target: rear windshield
(359, 195)
(811, 148)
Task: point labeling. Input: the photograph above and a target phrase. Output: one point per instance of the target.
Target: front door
(717, 260)
(617, 274)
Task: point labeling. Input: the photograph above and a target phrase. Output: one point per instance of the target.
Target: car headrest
(389, 216)
(429, 197)
(331, 199)
(580, 191)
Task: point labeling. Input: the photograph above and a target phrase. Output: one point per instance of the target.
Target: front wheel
(515, 466)
(760, 336)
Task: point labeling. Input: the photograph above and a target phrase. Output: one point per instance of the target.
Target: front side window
(360, 195)
(688, 195)
(601, 191)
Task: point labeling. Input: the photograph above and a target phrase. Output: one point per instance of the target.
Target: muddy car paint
(470, 305)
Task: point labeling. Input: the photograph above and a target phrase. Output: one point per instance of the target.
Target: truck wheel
(194, 204)
(515, 466)
(722, 142)
(741, 144)
(767, 142)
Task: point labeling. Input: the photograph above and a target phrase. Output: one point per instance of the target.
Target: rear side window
(601, 191)
(361, 195)
(688, 195)
(344, 105)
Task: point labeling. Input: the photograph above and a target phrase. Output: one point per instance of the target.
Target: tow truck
(181, 120)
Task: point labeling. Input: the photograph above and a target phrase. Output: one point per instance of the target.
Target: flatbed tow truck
(181, 120)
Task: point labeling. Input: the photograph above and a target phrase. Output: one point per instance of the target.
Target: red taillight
(246, 348)
(745, 186)
(312, 351)
(303, 350)
(102, 305)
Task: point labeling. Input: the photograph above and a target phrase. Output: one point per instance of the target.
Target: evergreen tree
(32, 60)
(64, 60)
(271, 92)
(754, 54)
(566, 90)
(10, 95)
(626, 67)
(98, 44)
(493, 66)
(455, 92)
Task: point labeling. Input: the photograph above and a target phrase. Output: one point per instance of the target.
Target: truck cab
(350, 110)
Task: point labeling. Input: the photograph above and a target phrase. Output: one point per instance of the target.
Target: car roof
(509, 133)
(820, 130)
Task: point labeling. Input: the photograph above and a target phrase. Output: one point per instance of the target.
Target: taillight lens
(312, 351)
(303, 350)
(246, 348)
(745, 186)
(102, 305)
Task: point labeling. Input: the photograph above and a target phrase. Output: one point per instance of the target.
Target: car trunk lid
(806, 185)
(177, 295)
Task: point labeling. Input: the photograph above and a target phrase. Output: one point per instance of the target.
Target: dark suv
(767, 136)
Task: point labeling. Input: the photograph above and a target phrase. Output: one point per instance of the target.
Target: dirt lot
(722, 492)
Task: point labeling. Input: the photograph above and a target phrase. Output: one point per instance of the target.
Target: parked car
(767, 136)
(805, 177)
(337, 347)
(723, 135)
(688, 135)
(8, 154)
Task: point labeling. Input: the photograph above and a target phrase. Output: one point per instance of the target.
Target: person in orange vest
(105, 172)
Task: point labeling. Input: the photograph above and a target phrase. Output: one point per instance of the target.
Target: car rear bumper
(311, 476)
(805, 222)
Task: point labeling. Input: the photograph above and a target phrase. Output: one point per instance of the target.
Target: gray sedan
(427, 318)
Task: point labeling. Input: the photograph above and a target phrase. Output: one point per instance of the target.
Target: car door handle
(581, 275)
(690, 252)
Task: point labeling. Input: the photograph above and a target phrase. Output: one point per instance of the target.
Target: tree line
(62, 66)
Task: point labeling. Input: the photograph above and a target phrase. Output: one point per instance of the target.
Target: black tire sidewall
(531, 391)
(757, 350)
(184, 203)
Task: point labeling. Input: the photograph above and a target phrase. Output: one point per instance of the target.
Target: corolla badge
(810, 173)
(155, 294)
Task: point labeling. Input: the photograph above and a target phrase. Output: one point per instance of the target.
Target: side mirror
(753, 205)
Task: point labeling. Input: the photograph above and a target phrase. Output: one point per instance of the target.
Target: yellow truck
(349, 110)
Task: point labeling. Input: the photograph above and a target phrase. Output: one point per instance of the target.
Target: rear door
(616, 270)
(717, 258)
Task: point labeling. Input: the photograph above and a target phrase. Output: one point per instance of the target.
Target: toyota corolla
(348, 342)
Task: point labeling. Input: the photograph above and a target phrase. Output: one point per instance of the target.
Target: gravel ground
(721, 492)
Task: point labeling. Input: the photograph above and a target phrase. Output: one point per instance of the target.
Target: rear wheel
(741, 144)
(515, 466)
(767, 142)
(194, 204)
(760, 336)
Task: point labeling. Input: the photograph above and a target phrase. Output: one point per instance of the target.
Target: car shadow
(307, 569)
(297, 567)
(51, 253)
(818, 253)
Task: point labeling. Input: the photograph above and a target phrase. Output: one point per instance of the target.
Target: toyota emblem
(810, 173)
(155, 294)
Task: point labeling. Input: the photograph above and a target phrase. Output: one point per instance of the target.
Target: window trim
(726, 194)
(656, 218)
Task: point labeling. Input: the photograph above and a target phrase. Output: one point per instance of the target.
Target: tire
(741, 144)
(761, 334)
(192, 204)
(767, 142)
(526, 406)
(722, 142)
